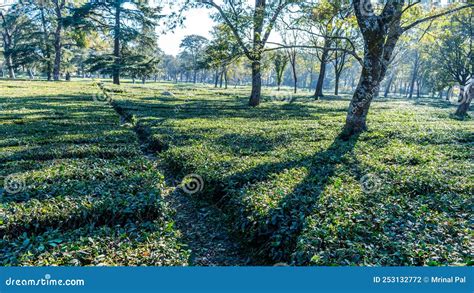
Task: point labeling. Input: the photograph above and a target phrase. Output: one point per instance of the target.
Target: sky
(197, 22)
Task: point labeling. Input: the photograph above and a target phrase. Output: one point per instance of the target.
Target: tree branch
(231, 25)
(283, 46)
(412, 25)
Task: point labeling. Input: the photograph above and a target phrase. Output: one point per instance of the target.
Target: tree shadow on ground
(275, 236)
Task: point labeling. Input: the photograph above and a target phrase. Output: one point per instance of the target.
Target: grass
(292, 190)
(81, 192)
(399, 194)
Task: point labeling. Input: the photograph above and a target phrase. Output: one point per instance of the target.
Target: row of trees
(60, 36)
(385, 42)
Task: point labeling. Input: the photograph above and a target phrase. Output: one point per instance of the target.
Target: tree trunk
(295, 79)
(256, 84)
(57, 54)
(465, 102)
(293, 69)
(30, 73)
(225, 78)
(47, 47)
(221, 78)
(463, 108)
(418, 91)
(366, 90)
(322, 72)
(377, 56)
(414, 76)
(389, 85)
(336, 85)
(117, 61)
(57, 43)
(461, 93)
(68, 76)
(11, 72)
(448, 93)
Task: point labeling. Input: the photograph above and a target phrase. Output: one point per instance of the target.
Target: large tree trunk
(11, 71)
(117, 61)
(336, 85)
(322, 73)
(366, 91)
(47, 47)
(463, 108)
(378, 53)
(57, 44)
(57, 53)
(256, 84)
(465, 99)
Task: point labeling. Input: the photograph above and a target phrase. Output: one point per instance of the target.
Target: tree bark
(465, 102)
(11, 71)
(322, 73)
(46, 45)
(378, 49)
(57, 53)
(366, 90)
(57, 39)
(389, 85)
(225, 78)
(256, 84)
(295, 76)
(414, 75)
(448, 93)
(221, 79)
(336, 85)
(117, 60)
(7, 43)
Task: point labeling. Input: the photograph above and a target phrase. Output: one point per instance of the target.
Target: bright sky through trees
(197, 22)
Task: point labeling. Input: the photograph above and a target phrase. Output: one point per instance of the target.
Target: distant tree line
(366, 48)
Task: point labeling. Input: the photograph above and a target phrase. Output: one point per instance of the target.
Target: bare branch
(283, 46)
(412, 25)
